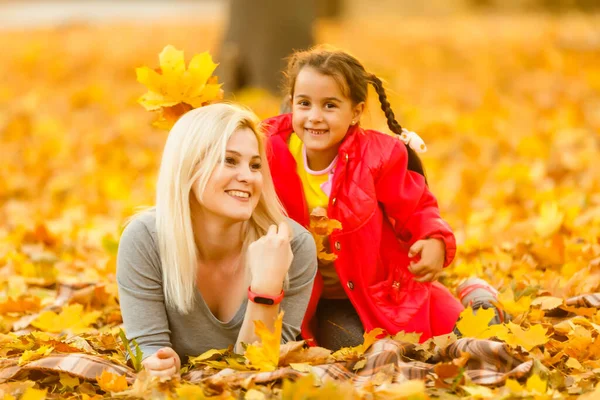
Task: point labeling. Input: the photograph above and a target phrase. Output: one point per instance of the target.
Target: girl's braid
(385, 105)
(414, 162)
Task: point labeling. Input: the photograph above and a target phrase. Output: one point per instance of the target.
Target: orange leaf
(110, 382)
(22, 305)
(321, 227)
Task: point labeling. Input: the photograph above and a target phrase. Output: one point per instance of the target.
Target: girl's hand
(431, 263)
(269, 259)
(164, 363)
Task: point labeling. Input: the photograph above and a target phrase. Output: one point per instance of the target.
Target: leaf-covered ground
(508, 106)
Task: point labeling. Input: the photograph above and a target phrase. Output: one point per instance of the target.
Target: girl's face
(322, 113)
(235, 186)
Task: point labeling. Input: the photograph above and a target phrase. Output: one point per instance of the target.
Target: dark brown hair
(352, 78)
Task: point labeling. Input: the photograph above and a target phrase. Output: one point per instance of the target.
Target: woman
(217, 252)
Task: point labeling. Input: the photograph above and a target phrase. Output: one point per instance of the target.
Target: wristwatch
(264, 299)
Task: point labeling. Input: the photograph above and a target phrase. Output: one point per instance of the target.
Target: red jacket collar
(281, 125)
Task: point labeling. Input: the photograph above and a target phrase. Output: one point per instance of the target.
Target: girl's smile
(316, 132)
(322, 114)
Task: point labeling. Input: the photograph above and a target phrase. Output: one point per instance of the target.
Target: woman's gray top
(153, 324)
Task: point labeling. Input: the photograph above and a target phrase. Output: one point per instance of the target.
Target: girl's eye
(330, 105)
(303, 103)
(256, 166)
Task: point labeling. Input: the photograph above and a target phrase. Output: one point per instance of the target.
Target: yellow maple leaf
(358, 351)
(264, 355)
(34, 394)
(173, 89)
(110, 382)
(528, 339)
(71, 318)
(507, 300)
(369, 338)
(535, 384)
(514, 386)
(499, 331)
(68, 381)
(31, 355)
(475, 324)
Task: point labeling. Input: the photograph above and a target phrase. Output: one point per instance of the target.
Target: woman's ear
(357, 111)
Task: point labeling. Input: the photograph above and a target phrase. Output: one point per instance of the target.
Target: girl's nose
(315, 116)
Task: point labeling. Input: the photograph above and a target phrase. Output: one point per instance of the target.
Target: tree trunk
(260, 35)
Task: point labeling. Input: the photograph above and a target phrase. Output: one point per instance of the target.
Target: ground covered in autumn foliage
(509, 108)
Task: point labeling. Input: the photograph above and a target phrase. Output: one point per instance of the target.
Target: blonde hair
(196, 145)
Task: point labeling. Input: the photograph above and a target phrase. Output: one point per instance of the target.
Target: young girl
(393, 244)
(217, 252)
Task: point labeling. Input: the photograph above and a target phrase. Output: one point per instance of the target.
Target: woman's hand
(431, 263)
(164, 363)
(269, 259)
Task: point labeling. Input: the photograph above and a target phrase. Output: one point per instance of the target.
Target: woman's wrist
(269, 288)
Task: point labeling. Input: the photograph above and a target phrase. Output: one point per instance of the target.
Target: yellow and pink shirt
(317, 188)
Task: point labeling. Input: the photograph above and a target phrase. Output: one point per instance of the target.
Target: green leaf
(136, 359)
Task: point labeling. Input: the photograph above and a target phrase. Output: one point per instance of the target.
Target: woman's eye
(256, 166)
(230, 161)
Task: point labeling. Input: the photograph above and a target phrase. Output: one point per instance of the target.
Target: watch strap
(263, 298)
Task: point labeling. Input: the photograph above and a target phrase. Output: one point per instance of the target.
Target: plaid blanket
(584, 300)
(490, 363)
(81, 365)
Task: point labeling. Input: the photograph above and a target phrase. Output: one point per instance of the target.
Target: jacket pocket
(399, 297)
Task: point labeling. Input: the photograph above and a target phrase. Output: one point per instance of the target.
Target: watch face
(263, 300)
